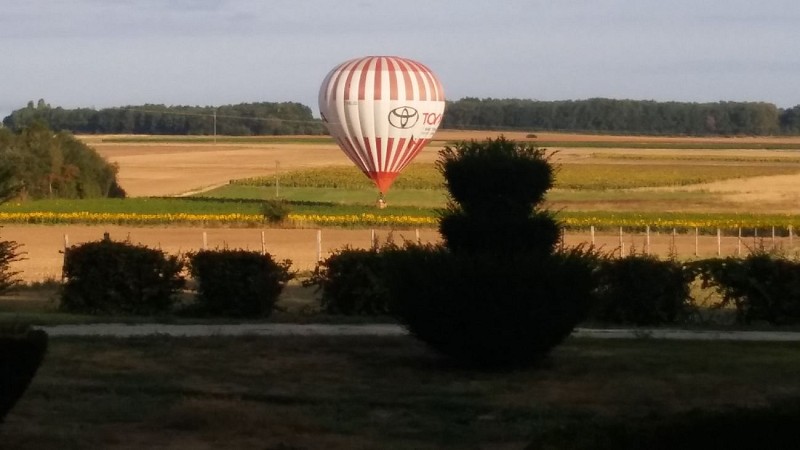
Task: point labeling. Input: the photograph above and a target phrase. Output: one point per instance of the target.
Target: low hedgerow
(762, 287)
(237, 283)
(642, 290)
(21, 352)
(107, 277)
(351, 282)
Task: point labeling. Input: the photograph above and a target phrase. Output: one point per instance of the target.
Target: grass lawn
(368, 392)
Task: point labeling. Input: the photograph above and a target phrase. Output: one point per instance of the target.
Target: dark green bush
(763, 286)
(237, 283)
(497, 294)
(494, 188)
(21, 354)
(274, 211)
(642, 290)
(9, 252)
(489, 311)
(351, 283)
(107, 277)
(497, 176)
(536, 233)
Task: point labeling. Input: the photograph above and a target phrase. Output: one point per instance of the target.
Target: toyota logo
(403, 117)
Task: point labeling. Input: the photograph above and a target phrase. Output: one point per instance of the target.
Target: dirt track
(44, 243)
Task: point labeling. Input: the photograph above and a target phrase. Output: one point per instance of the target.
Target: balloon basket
(381, 202)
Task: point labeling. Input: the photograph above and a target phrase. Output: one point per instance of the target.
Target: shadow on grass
(773, 427)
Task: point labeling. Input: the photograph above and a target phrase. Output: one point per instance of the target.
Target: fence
(44, 244)
(693, 243)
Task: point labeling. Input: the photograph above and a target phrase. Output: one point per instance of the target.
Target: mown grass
(634, 211)
(389, 392)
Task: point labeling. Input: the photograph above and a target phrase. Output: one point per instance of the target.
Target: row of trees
(37, 163)
(623, 116)
(244, 119)
(593, 115)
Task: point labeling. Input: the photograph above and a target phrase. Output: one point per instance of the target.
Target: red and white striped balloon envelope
(381, 110)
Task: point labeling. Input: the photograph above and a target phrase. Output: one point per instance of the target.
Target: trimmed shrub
(497, 294)
(351, 283)
(494, 188)
(642, 290)
(107, 277)
(9, 252)
(536, 233)
(274, 211)
(489, 311)
(21, 354)
(237, 283)
(763, 286)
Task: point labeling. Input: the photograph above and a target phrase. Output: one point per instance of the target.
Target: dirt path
(44, 244)
(284, 329)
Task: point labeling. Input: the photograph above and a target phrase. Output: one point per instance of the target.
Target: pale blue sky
(101, 53)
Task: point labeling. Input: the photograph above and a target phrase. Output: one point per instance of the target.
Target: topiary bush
(495, 187)
(497, 294)
(21, 353)
(763, 286)
(237, 283)
(351, 282)
(489, 311)
(642, 290)
(107, 277)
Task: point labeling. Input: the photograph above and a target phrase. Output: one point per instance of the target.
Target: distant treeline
(597, 115)
(601, 115)
(244, 119)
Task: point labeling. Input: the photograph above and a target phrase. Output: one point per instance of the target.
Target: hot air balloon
(381, 110)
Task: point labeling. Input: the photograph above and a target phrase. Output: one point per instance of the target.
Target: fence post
(790, 236)
(263, 244)
(205, 240)
(591, 229)
(416, 231)
(319, 245)
(739, 243)
(64, 261)
(373, 240)
(696, 242)
(719, 242)
(647, 241)
(674, 247)
(773, 237)
(621, 244)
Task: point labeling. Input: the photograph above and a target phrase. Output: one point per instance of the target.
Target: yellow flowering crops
(570, 221)
(83, 217)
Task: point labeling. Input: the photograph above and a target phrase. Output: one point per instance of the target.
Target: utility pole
(277, 179)
(215, 127)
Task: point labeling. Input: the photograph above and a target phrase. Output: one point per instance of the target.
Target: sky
(107, 53)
